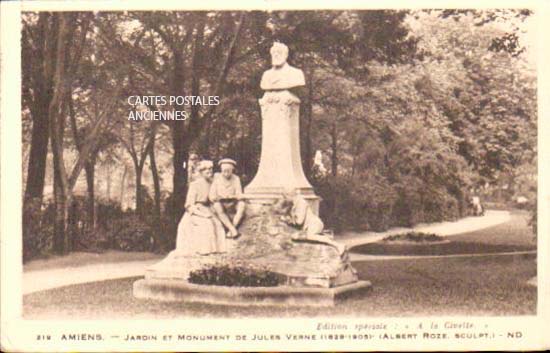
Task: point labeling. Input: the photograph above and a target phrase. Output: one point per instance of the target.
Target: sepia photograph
(297, 164)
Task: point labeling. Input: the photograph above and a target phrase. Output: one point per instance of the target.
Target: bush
(115, 229)
(118, 229)
(408, 209)
(37, 228)
(130, 233)
(370, 201)
(108, 211)
(439, 205)
(379, 200)
(416, 237)
(238, 276)
(339, 209)
(349, 203)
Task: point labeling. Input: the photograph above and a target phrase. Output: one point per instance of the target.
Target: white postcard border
(19, 334)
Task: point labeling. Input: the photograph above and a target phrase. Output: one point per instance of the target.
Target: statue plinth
(310, 274)
(280, 166)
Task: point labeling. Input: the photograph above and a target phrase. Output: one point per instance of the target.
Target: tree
(176, 49)
(138, 139)
(67, 59)
(486, 92)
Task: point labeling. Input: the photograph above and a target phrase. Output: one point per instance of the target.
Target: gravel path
(464, 225)
(35, 281)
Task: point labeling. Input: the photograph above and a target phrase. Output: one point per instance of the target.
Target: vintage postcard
(274, 176)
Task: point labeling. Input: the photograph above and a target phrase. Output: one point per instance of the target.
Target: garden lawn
(484, 286)
(514, 235)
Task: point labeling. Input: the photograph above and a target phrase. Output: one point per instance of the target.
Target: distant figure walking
(477, 208)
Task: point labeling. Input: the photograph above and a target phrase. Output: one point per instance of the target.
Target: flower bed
(234, 276)
(414, 237)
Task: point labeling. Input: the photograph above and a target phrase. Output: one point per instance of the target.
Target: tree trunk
(334, 147)
(123, 186)
(139, 191)
(37, 158)
(356, 151)
(89, 168)
(156, 185)
(59, 218)
(179, 179)
(181, 151)
(36, 170)
(62, 192)
(205, 141)
(108, 183)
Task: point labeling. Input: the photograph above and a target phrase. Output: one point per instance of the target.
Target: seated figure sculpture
(226, 196)
(200, 231)
(297, 212)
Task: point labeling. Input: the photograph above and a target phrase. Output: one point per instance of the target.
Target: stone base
(181, 290)
(178, 267)
(309, 273)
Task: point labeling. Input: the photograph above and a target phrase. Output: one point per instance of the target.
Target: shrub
(338, 209)
(108, 211)
(118, 229)
(417, 237)
(378, 201)
(352, 203)
(439, 205)
(234, 276)
(37, 228)
(130, 233)
(408, 210)
(370, 201)
(115, 229)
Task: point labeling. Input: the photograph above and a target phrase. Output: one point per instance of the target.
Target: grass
(514, 232)
(487, 286)
(514, 235)
(475, 286)
(453, 247)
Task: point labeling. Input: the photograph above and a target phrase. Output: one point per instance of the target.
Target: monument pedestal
(310, 273)
(183, 291)
(280, 166)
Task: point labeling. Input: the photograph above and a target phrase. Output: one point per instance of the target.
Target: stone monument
(311, 271)
(280, 162)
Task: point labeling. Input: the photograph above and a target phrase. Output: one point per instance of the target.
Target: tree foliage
(409, 109)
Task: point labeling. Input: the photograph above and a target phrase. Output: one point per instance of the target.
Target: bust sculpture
(281, 76)
(280, 165)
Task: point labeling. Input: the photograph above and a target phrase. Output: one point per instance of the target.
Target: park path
(39, 280)
(464, 225)
(35, 281)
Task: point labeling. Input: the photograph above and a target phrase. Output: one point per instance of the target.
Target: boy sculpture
(226, 196)
(298, 213)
